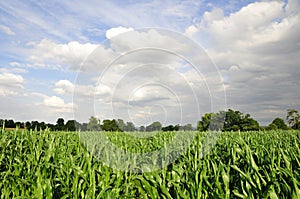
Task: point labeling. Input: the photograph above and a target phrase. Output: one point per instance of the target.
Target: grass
(240, 165)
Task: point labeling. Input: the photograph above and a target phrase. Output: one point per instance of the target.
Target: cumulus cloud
(57, 104)
(10, 84)
(64, 87)
(257, 51)
(71, 54)
(110, 33)
(160, 63)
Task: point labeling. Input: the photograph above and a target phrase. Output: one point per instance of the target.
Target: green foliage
(110, 125)
(155, 126)
(170, 128)
(241, 165)
(293, 118)
(71, 125)
(177, 127)
(203, 125)
(130, 127)
(60, 124)
(94, 124)
(142, 128)
(121, 124)
(227, 121)
(277, 123)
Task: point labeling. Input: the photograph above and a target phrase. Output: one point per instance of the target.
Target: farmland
(49, 164)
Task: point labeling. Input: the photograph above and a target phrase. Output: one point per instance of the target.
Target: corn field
(241, 165)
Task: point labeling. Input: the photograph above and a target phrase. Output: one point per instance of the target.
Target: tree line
(230, 120)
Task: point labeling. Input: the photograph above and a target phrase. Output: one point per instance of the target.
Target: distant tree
(293, 118)
(277, 123)
(203, 125)
(236, 120)
(50, 126)
(142, 128)
(233, 120)
(35, 125)
(177, 127)
(168, 128)
(2, 123)
(187, 127)
(60, 124)
(130, 127)
(94, 124)
(10, 124)
(110, 125)
(83, 126)
(70, 125)
(28, 125)
(249, 124)
(42, 126)
(20, 124)
(155, 126)
(227, 121)
(121, 124)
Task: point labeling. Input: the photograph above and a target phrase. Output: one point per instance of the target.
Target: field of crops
(240, 165)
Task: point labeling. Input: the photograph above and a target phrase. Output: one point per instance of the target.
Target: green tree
(60, 124)
(168, 128)
(70, 125)
(203, 125)
(236, 120)
(277, 123)
(233, 120)
(293, 118)
(110, 125)
(35, 125)
(121, 124)
(50, 126)
(155, 126)
(249, 124)
(42, 126)
(28, 125)
(19, 124)
(83, 127)
(142, 128)
(94, 124)
(227, 121)
(129, 127)
(10, 124)
(187, 127)
(271, 127)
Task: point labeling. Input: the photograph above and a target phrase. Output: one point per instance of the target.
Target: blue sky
(45, 46)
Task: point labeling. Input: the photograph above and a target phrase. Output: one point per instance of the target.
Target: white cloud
(257, 51)
(57, 104)
(110, 33)
(64, 87)
(6, 30)
(50, 53)
(10, 84)
(215, 15)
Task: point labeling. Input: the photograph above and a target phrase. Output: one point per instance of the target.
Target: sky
(144, 61)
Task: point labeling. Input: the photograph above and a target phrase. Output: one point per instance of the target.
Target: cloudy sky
(148, 61)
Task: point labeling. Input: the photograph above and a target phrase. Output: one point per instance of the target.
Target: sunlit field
(241, 165)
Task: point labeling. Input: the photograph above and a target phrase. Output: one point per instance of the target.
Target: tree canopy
(277, 123)
(293, 118)
(230, 120)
